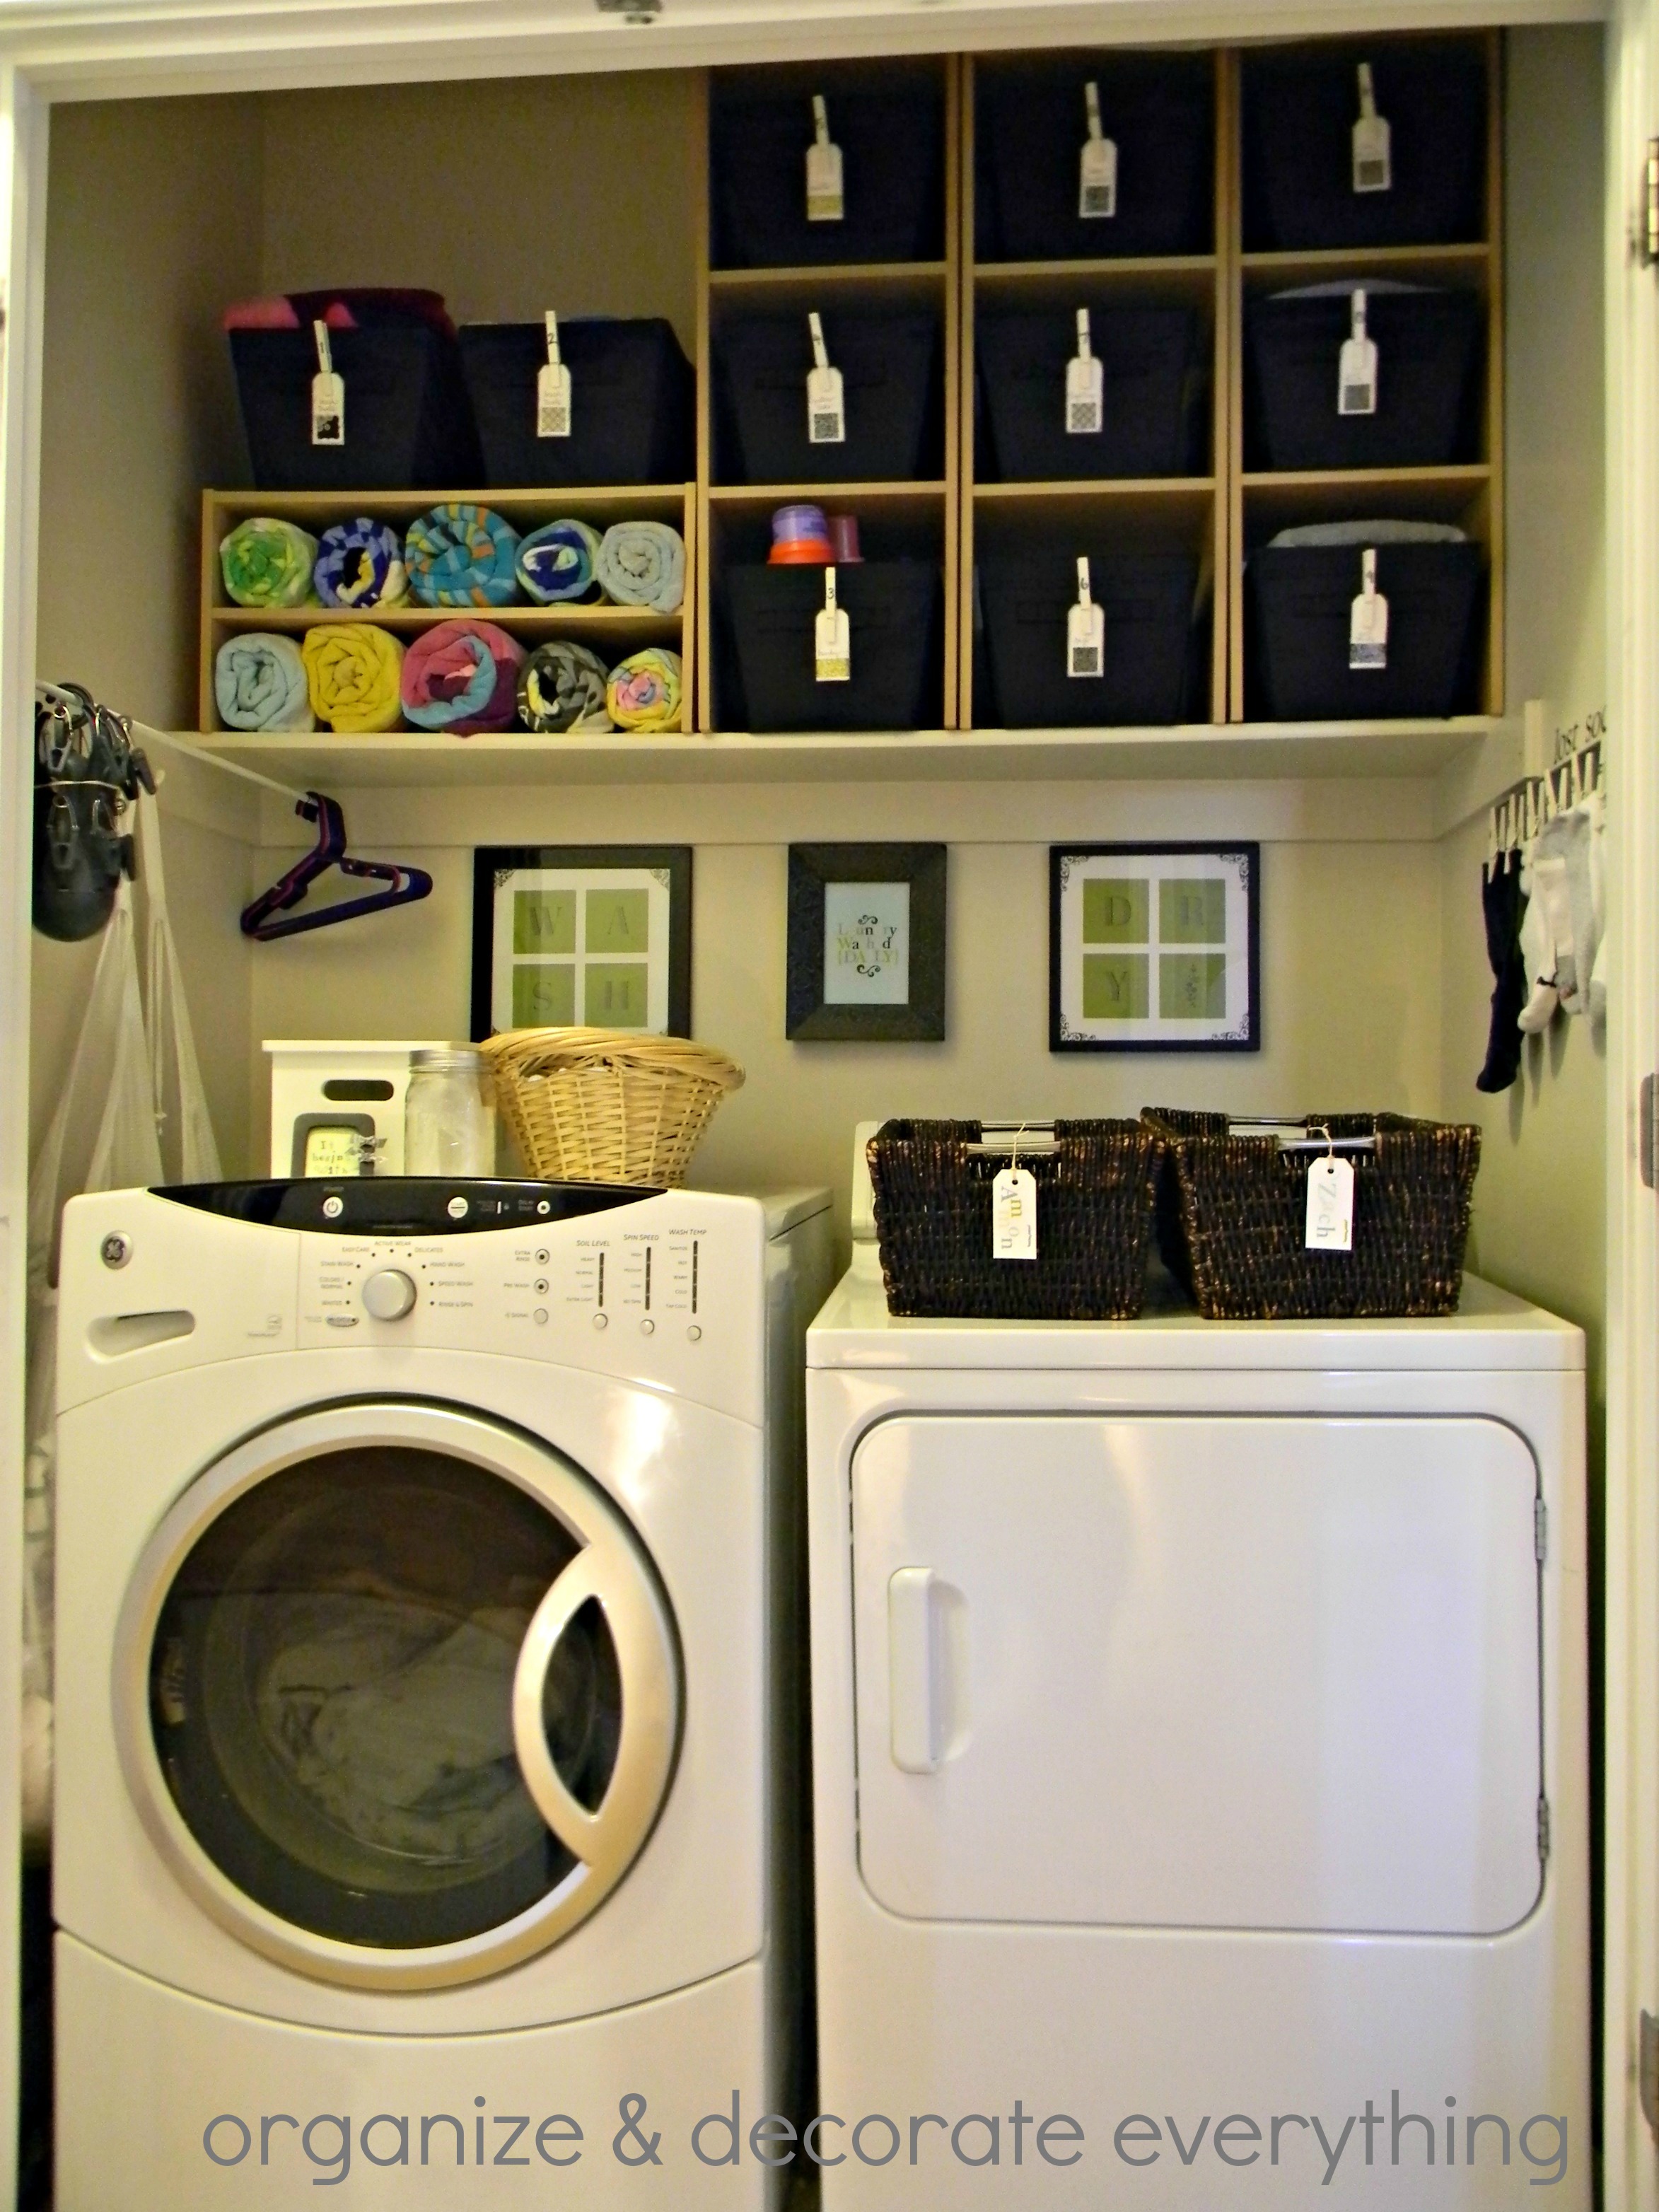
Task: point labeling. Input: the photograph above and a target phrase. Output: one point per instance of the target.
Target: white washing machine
(425, 1745)
(1199, 1744)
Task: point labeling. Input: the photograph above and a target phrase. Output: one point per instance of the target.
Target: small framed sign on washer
(867, 943)
(1154, 948)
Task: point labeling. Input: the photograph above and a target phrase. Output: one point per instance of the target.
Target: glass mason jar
(448, 1129)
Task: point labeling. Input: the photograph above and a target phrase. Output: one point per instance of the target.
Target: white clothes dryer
(426, 1724)
(1198, 1745)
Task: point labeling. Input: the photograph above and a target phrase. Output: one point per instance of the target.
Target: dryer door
(397, 1694)
(1222, 1672)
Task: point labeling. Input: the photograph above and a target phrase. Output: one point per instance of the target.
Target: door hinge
(1646, 1146)
(1647, 2071)
(1544, 1828)
(1541, 1529)
(1647, 244)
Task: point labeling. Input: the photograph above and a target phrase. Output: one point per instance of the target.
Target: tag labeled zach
(1330, 1206)
(553, 388)
(1096, 190)
(1356, 371)
(327, 394)
(832, 639)
(1373, 163)
(1085, 631)
(826, 405)
(1368, 621)
(1085, 390)
(1013, 1215)
(825, 200)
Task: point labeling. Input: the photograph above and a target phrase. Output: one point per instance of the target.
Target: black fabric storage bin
(1428, 350)
(1146, 602)
(1150, 424)
(408, 421)
(632, 412)
(891, 389)
(892, 145)
(1159, 110)
(1300, 107)
(1300, 599)
(893, 610)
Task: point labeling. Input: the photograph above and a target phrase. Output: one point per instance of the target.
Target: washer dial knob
(389, 1295)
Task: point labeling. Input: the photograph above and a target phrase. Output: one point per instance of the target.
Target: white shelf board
(1201, 752)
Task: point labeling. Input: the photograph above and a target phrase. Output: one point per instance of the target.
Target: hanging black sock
(1503, 904)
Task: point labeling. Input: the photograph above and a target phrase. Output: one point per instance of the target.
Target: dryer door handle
(913, 1671)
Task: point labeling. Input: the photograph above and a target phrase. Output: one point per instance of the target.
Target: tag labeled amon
(1097, 189)
(1356, 370)
(1368, 619)
(1084, 389)
(832, 638)
(826, 403)
(327, 394)
(1330, 1205)
(1085, 630)
(1013, 1215)
(553, 388)
(825, 198)
(1373, 160)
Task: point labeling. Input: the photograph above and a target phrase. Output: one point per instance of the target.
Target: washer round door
(397, 1694)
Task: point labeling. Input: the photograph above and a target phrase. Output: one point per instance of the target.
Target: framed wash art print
(594, 935)
(1154, 948)
(867, 943)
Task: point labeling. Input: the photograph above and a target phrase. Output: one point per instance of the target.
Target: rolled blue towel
(642, 564)
(460, 554)
(260, 682)
(556, 563)
(361, 564)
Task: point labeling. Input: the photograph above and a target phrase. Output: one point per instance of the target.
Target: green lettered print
(544, 921)
(1115, 910)
(1115, 987)
(616, 994)
(1191, 910)
(618, 924)
(1192, 987)
(544, 994)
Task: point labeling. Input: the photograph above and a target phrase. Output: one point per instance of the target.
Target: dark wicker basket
(1232, 1218)
(1095, 1196)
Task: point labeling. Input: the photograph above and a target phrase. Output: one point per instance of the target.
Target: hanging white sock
(1574, 843)
(1549, 870)
(1537, 953)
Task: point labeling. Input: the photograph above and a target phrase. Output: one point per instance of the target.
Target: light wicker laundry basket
(606, 1105)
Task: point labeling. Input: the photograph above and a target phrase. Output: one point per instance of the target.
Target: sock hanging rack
(1516, 816)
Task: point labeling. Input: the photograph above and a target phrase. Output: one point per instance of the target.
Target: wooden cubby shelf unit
(613, 632)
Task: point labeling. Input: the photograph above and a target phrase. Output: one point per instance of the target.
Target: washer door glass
(331, 1695)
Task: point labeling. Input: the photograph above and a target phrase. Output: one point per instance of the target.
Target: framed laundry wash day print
(867, 943)
(1154, 948)
(595, 936)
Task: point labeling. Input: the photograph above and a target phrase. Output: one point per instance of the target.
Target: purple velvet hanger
(408, 884)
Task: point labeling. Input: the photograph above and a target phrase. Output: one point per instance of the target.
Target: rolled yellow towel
(352, 675)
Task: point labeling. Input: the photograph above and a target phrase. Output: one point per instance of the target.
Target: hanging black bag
(87, 773)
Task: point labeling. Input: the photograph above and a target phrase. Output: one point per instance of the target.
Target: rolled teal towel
(556, 563)
(460, 554)
(642, 564)
(260, 682)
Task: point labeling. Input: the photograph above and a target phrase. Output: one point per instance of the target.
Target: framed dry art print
(1153, 948)
(867, 943)
(594, 935)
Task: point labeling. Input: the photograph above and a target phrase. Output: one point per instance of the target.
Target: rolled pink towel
(461, 676)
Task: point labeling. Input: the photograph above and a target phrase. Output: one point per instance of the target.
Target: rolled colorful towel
(642, 564)
(556, 562)
(260, 682)
(361, 564)
(460, 554)
(266, 562)
(644, 690)
(352, 674)
(561, 687)
(460, 677)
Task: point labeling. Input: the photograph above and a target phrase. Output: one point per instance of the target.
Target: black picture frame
(493, 867)
(1238, 861)
(920, 1019)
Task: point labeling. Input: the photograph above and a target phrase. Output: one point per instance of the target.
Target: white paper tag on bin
(1013, 1215)
(1373, 161)
(553, 388)
(826, 405)
(825, 200)
(1085, 390)
(832, 639)
(1330, 1205)
(1368, 619)
(1085, 630)
(1097, 189)
(327, 394)
(1356, 369)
